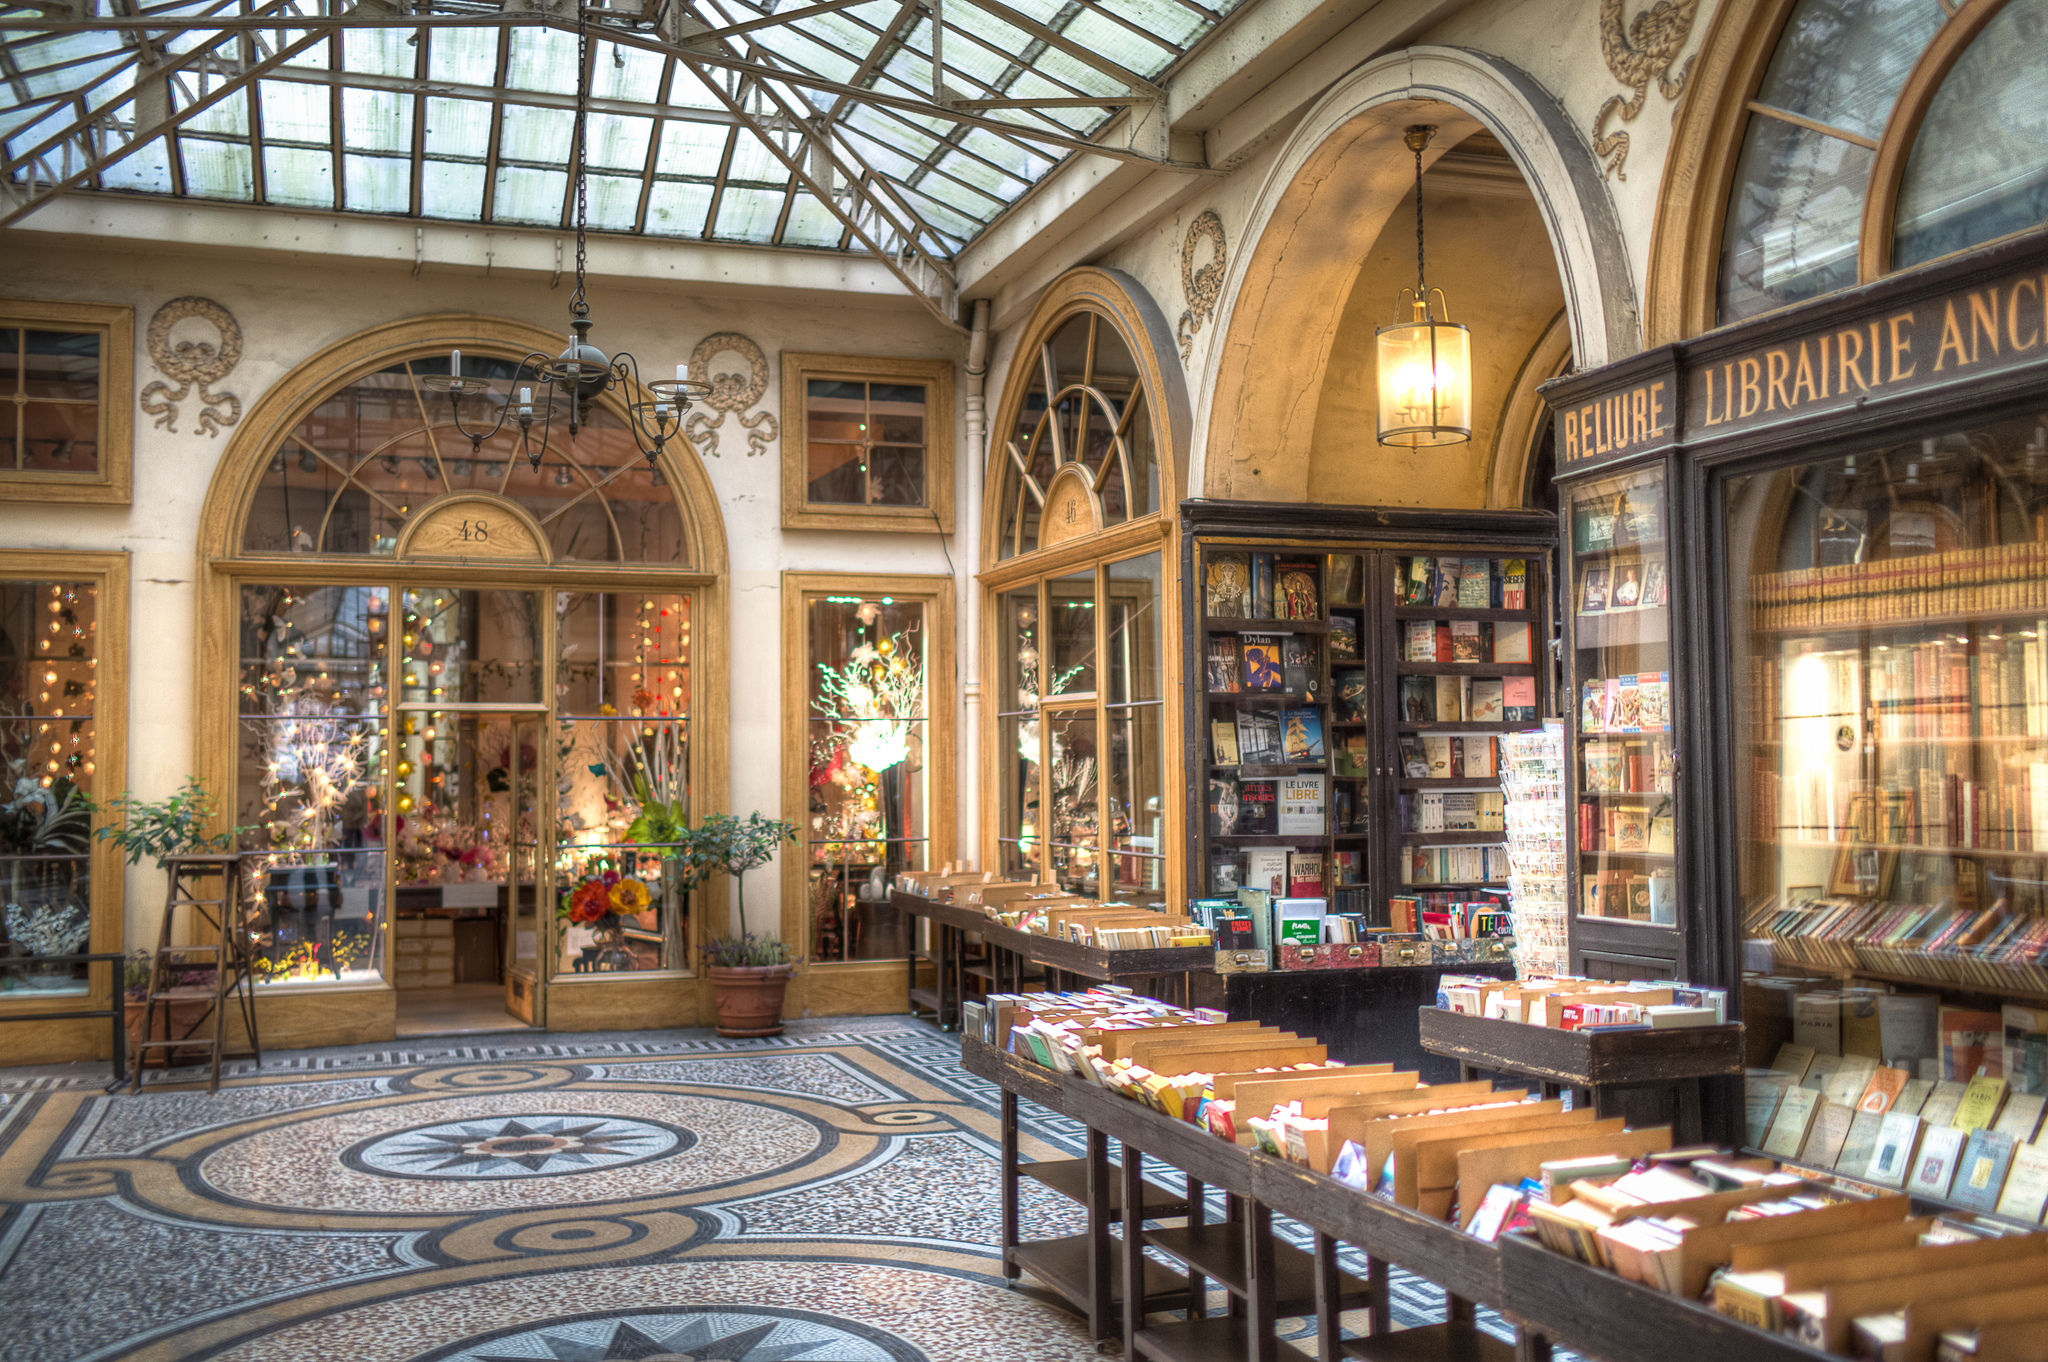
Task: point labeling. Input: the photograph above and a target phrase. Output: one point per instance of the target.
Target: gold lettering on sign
(1852, 364)
(1752, 391)
(1901, 345)
(1983, 322)
(1777, 368)
(1802, 378)
(2012, 318)
(1951, 339)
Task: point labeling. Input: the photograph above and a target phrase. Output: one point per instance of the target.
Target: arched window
(1881, 135)
(362, 463)
(1080, 435)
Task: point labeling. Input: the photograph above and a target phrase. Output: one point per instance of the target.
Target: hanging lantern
(1425, 363)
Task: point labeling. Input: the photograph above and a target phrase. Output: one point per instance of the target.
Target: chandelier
(580, 373)
(1425, 365)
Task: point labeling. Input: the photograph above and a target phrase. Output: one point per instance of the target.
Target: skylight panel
(529, 195)
(377, 120)
(451, 189)
(748, 214)
(217, 170)
(67, 79)
(689, 148)
(293, 112)
(688, 92)
(811, 223)
(984, 177)
(229, 114)
(677, 209)
(614, 201)
(1125, 48)
(626, 73)
(457, 127)
(1172, 22)
(535, 134)
(541, 59)
(38, 125)
(941, 215)
(299, 176)
(617, 141)
(376, 184)
(146, 170)
(1014, 157)
(314, 58)
(880, 156)
(378, 52)
(792, 45)
(462, 56)
(751, 160)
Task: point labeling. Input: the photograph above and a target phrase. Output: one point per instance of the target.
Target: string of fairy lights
(65, 640)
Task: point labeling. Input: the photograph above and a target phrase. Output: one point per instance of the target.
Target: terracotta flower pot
(749, 998)
(184, 1020)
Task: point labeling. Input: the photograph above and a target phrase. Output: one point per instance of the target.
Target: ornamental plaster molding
(732, 393)
(1642, 50)
(1200, 286)
(193, 363)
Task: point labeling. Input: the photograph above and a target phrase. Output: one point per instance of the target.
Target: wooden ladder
(231, 956)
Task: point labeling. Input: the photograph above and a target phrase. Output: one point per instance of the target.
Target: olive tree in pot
(748, 973)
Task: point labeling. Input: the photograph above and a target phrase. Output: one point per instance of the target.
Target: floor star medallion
(698, 1334)
(518, 1146)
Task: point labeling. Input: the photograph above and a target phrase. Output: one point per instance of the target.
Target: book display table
(1550, 1298)
(1011, 953)
(1648, 1076)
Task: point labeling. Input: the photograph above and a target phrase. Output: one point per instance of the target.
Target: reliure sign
(1634, 408)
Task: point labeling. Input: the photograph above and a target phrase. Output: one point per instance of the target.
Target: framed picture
(1863, 872)
(1593, 600)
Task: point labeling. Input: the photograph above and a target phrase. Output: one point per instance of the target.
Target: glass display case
(1624, 746)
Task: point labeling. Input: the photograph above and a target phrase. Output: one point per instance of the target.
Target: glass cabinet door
(1619, 601)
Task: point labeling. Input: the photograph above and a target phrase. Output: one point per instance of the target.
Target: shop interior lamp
(541, 387)
(1425, 362)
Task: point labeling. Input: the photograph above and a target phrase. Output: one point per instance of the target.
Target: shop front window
(867, 740)
(48, 651)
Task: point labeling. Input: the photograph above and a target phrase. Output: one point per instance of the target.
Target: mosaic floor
(828, 1196)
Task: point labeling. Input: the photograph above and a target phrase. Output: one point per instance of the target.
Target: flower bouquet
(601, 901)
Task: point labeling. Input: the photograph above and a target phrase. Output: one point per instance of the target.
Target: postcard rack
(1551, 1299)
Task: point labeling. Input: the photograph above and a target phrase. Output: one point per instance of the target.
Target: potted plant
(748, 973)
(161, 829)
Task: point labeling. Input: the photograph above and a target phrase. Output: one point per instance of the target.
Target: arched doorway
(450, 690)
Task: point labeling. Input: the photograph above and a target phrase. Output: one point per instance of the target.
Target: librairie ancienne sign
(1924, 337)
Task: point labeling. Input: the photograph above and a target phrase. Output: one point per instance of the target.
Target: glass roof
(463, 113)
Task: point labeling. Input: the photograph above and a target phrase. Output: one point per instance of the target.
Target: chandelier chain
(577, 304)
(1421, 292)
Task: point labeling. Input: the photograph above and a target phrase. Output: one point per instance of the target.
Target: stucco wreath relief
(1201, 287)
(732, 391)
(1638, 51)
(193, 363)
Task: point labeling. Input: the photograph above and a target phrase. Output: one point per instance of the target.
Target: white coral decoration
(48, 932)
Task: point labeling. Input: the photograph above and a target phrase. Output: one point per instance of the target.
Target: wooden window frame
(799, 512)
(799, 589)
(110, 484)
(108, 573)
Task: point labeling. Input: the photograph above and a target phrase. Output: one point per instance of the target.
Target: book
(1593, 524)
(1305, 874)
(1460, 811)
(1606, 768)
(1469, 641)
(1415, 583)
(1891, 1155)
(1301, 671)
(1258, 737)
(1295, 596)
(1475, 584)
(1343, 638)
(1479, 757)
(1414, 761)
(1223, 806)
(2021, 1116)
(1656, 584)
(1794, 1119)
(1972, 1042)
(1913, 1096)
(1258, 812)
(1518, 700)
(1628, 830)
(1627, 590)
(1265, 869)
(1642, 507)
(1353, 697)
(1220, 664)
(1883, 1089)
(1226, 592)
(1418, 699)
(1488, 701)
(1436, 750)
(1223, 742)
(1301, 735)
(1981, 1170)
(1450, 699)
(1593, 707)
(1262, 586)
(1851, 1080)
(1514, 588)
(1448, 571)
(1226, 874)
(1303, 800)
(1827, 1133)
(1817, 1021)
(1593, 592)
(1511, 642)
(1941, 1104)
(1820, 1071)
(2023, 1064)
(1345, 577)
(1934, 1167)
(1760, 1105)
(1982, 1098)
(1653, 702)
(1354, 756)
(1262, 661)
(2026, 1185)
(1908, 1029)
(1793, 1060)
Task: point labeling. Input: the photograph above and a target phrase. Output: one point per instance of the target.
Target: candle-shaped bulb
(682, 373)
(455, 364)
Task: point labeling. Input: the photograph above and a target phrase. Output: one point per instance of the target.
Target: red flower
(590, 902)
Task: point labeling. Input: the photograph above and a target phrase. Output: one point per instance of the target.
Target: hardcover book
(1354, 756)
(1593, 524)
(1262, 661)
(1301, 735)
(1488, 701)
(1353, 695)
(1518, 700)
(1294, 590)
(1626, 592)
(1593, 594)
(1302, 802)
(1450, 699)
(1300, 669)
(1436, 750)
(1221, 664)
(1258, 738)
(1418, 699)
(1223, 741)
(1223, 806)
(1258, 813)
(1479, 757)
(1343, 638)
(1227, 592)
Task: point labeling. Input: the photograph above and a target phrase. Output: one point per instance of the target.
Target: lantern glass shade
(1425, 371)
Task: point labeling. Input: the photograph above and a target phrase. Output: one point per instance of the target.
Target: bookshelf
(1624, 758)
(1352, 695)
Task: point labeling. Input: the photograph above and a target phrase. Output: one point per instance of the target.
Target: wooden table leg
(1099, 1248)
(1010, 1230)
(1134, 1247)
(1457, 1310)
(1198, 1285)
(1329, 1322)
(1691, 1123)
(1263, 1344)
(1233, 1214)
(1379, 1313)
(1530, 1346)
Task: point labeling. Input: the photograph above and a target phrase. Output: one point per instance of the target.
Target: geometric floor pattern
(829, 1195)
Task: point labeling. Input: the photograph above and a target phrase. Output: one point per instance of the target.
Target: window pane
(1134, 634)
(1019, 641)
(1793, 218)
(1072, 626)
(1841, 62)
(1979, 168)
(1137, 804)
(62, 364)
(895, 476)
(475, 647)
(1017, 826)
(1072, 835)
(61, 437)
(630, 652)
(867, 777)
(314, 650)
(898, 413)
(838, 474)
(836, 409)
